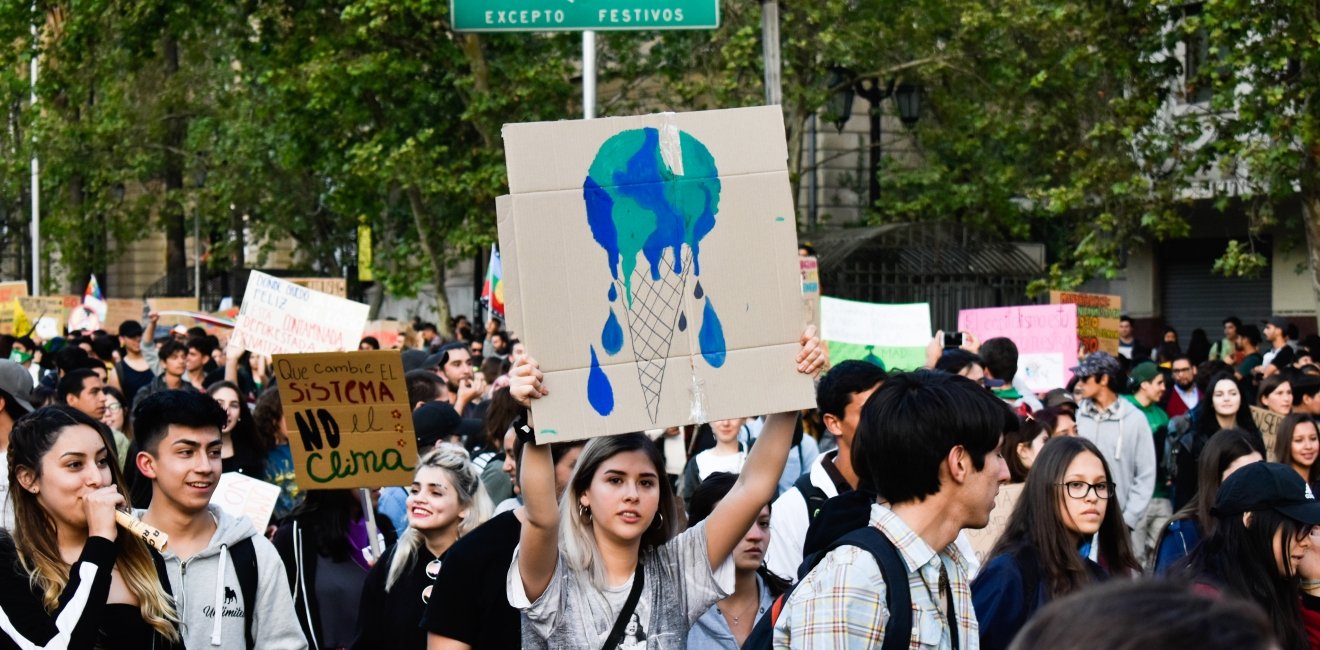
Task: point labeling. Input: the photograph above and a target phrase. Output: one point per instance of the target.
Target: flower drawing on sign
(651, 197)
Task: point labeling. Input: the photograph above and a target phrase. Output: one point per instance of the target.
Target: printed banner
(1046, 338)
(1097, 318)
(350, 424)
(890, 336)
(280, 317)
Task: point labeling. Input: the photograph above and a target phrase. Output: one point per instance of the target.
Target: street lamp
(839, 105)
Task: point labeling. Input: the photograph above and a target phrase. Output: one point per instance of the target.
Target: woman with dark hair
(1057, 420)
(610, 535)
(1021, 447)
(1221, 408)
(728, 623)
(1264, 516)
(242, 452)
(1069, 498)
(500, 413)
(1198, 348)
(69, 578)
(116, 418)
(1228, 451)
(1276, 394)
(1168, 349)
(1296, 445)
(327, 552)
(272, 435)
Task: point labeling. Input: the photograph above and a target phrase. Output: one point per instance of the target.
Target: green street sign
(572, 15)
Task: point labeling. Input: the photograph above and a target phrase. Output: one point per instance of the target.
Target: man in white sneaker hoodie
(178, 433)
(1120, 431)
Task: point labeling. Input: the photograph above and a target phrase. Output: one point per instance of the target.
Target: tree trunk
(176, 228)
(1311, 217)
(796, 121)
(435, 254)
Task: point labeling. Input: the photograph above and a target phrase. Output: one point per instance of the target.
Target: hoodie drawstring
(220, 595)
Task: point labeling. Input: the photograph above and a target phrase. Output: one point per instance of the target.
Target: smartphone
(953, 340)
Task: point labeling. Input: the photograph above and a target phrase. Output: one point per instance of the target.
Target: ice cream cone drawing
(651, 196)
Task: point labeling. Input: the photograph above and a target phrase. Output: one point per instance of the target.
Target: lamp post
(847, 85)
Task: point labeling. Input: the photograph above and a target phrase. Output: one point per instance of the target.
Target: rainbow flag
(492, 290)
(94, 300)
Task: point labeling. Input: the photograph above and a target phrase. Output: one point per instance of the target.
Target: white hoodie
(198, 595)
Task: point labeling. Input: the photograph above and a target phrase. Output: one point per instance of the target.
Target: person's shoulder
(497, 536)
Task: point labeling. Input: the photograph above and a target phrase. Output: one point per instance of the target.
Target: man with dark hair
(930, 443)
(499, 344)
(173, 362)
(1280, 355)
(133, 370)
(1120, 430)
(967, 364)
(1185, 394)
(1249, 346)
(999, 357)
(453, 363)
(196, 360)
(1128, 345)
(233, 594)
(82, 389)
(1226, 349)
(1306, 394)
(423, 387)
(839, 397)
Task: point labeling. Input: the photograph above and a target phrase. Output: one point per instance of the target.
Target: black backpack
(898, 629)
(244, 557)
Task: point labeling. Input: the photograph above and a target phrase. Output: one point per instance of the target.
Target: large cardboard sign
(280, 317)
(350, 424)
(890, 336)
(1046, 338)
(49, 314)
(12, 289)
(983, 539)
(651, 268)
(1268, 423)
(1097, 318)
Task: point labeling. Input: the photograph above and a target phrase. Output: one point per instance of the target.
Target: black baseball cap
(1277, 321)
(433, 422)
(1267, 486)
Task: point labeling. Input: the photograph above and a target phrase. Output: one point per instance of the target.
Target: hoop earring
(660, 519)
(584, 512)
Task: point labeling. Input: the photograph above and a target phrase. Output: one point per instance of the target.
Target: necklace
(737, 618)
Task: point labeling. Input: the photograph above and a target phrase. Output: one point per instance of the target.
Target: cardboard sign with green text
(348, 417)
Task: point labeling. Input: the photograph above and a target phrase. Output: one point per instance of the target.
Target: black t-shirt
(470, 603)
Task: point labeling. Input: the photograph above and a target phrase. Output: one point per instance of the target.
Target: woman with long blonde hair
(445, 501)
(68, 577)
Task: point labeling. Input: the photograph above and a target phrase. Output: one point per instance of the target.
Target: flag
(94, 300)
(22, 325)
(492, 290)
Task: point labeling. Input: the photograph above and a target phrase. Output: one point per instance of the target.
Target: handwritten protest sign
(1045, 335)
(651, 266)
(350, 421)
(279, 317)
(337, 287)
(1097, 318)
(1268, 423)
(388, 332)
(244, 496)
(49, 313)
(983, 539)
(890, 336)
(810, 268)
(12, 289)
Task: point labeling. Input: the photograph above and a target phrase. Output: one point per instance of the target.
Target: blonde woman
(445, 501)
(70, 578)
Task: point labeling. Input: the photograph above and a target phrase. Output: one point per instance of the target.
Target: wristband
(523, 429)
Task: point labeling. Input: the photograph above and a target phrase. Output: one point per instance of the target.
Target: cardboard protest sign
(890, 336)
(118, 310)
(337, 287)
(810, 270)
(388, 332)
(49, 314)
(12, 289)
(279, 317)
(1268, 423)
(983, 539)
(651, 268)
(244, 496)
(350, 423)
(1097, 318)
(1045, 335)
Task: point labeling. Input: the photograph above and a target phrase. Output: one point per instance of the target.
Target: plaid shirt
(841, 603)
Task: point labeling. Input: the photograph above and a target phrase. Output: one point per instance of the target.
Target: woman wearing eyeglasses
(1065, 504)
(445, 501)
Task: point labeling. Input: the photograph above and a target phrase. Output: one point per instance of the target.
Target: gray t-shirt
(679, 587)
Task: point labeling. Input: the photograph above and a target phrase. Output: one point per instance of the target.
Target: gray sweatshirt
(1123, 435)
(199, 596)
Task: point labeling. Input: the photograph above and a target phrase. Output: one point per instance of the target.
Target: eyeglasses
(114, 407)
(432, 570)
(1181, 370)
(1079, 489)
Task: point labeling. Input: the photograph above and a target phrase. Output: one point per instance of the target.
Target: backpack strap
(244, 558)
(814, 496)
(898, 597)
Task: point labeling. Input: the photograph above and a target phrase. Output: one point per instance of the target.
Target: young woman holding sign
(604, 556)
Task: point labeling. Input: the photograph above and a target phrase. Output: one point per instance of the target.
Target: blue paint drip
(600, 216)
(682, 322)
(599, 392)
(699, 293)
(711, 337)
(614, 292)
(611, 338)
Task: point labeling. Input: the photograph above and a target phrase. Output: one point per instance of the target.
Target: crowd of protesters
(1182, 479)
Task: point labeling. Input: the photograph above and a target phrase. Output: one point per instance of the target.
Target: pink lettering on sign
(1045, 335)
